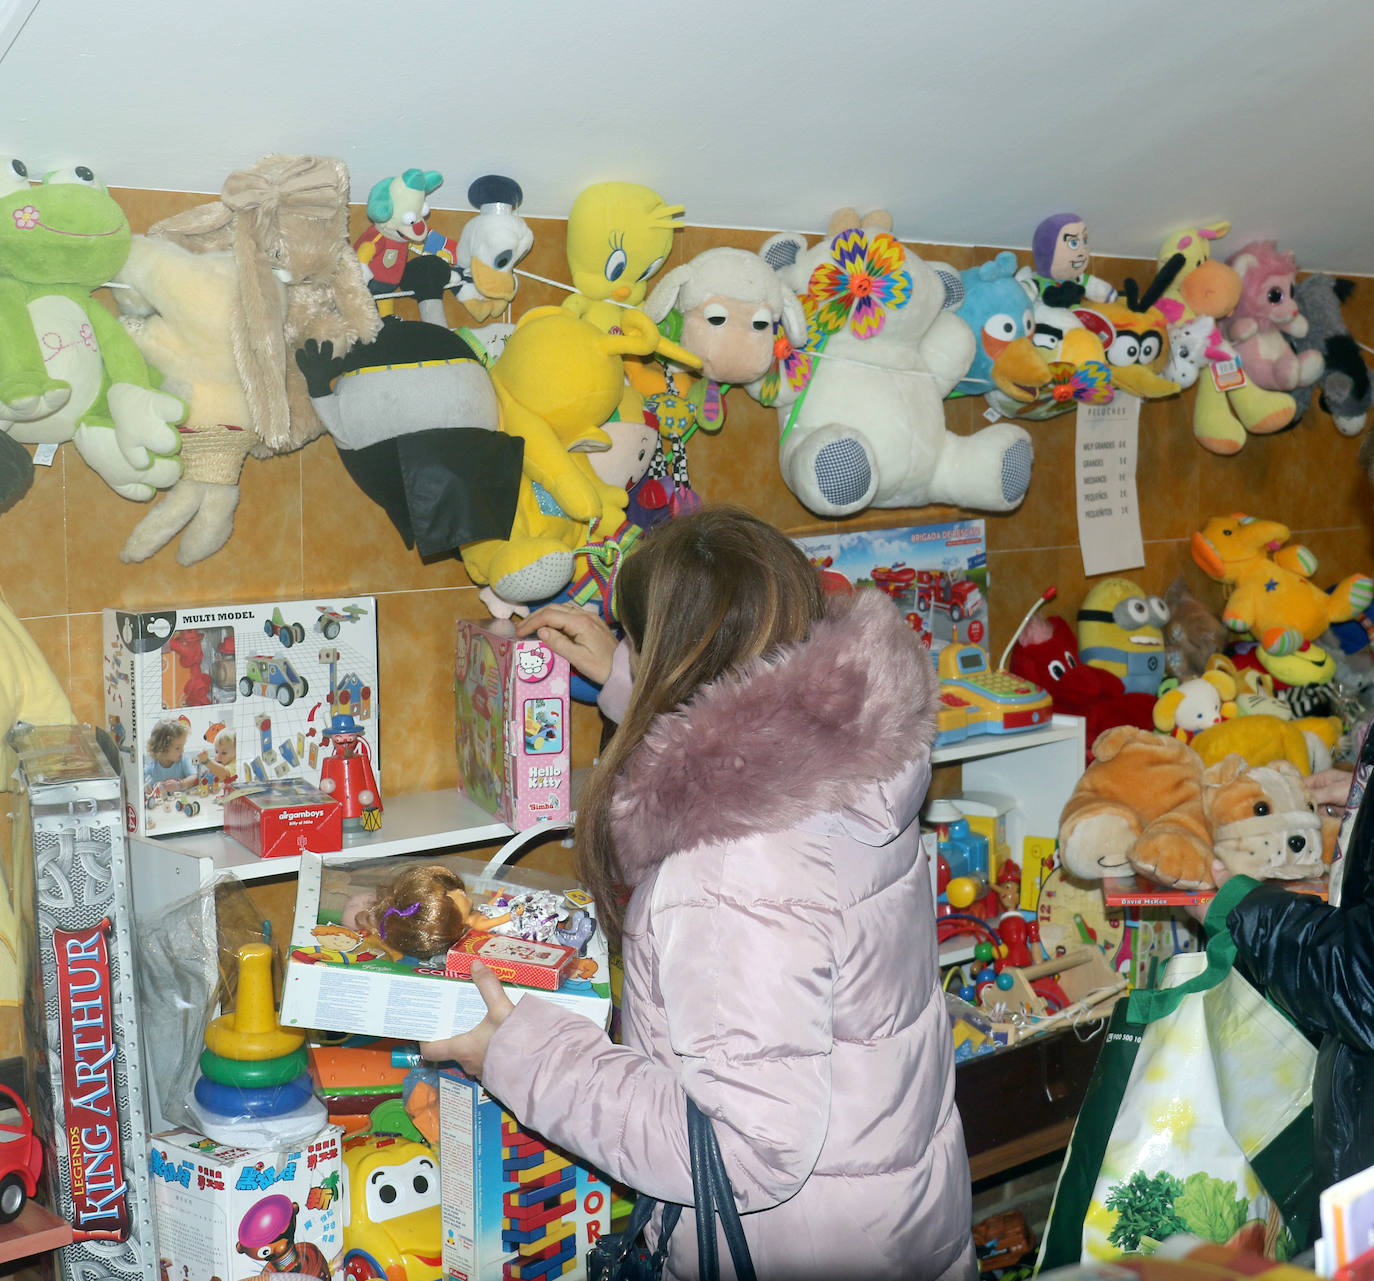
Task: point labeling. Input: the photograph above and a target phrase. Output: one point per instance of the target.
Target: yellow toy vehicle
(393, 1230)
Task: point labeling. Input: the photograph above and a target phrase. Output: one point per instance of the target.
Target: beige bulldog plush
(1264, 822)
(1138, 807)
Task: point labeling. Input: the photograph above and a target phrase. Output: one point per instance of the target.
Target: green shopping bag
(1198, 1119)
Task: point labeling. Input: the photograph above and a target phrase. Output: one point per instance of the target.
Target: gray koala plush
(1345, 387)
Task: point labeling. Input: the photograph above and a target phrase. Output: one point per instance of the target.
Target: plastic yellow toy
(1120, 629)
(394, 1229)
(1272, 597)
(251, 1031)
(557, 380)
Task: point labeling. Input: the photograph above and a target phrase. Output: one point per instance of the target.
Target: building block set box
(511, 724)
(228, 1212)
(90, 1096)
(515, 1209)
(202, 700)
(275, 820)
(345, 980)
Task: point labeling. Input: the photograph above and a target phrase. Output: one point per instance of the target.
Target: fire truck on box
(958, 597)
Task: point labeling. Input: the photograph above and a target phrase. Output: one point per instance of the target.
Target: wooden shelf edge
(36, 1231)
(1025, 1147)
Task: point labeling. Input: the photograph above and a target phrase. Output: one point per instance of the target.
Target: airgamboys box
(202, 700)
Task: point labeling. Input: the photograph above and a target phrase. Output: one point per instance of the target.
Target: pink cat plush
(1266, 312)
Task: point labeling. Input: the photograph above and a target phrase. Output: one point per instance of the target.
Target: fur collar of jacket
(805, 732)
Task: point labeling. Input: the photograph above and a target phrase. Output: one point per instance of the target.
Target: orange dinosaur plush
(1272, 595)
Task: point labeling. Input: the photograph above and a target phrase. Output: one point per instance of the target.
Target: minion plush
(1121, 630)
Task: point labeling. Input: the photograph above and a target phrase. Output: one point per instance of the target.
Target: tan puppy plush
(1138, 806)
(1263, 819)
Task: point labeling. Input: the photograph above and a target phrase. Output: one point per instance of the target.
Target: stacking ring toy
(252, 1030)
(253, 1074)
(233, 1100)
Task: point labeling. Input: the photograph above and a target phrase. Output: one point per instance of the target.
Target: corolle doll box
(227, 1212)
(90, 1100)
(511, 724)
(344, 980)
(201, 700)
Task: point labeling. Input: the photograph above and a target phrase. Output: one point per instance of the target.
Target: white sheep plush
(730, 301)
(866, 427)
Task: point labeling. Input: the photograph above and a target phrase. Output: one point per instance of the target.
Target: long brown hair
(702, 595)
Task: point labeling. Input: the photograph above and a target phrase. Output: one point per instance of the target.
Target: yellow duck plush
(557, 380)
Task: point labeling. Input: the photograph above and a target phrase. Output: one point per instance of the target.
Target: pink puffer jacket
(780, 968)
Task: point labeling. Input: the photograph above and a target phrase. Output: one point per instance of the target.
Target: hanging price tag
(1104, 471)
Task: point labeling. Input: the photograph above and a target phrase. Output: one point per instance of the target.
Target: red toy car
(21, 1156)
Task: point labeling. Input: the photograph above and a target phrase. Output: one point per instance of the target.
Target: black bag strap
(699, 1134)
(715, 1196)
(711, 1194)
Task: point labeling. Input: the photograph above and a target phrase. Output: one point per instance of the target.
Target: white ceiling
(969, 120)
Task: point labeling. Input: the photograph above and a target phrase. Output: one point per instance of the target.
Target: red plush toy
(1047, 653)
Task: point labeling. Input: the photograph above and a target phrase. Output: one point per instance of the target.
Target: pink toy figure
(1267, 310)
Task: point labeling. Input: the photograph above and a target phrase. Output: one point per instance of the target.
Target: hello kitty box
(511, 724)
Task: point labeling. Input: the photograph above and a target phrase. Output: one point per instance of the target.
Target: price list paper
(1104, 473)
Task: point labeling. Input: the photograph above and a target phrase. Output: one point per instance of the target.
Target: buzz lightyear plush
(1060, 250)
(68, 371)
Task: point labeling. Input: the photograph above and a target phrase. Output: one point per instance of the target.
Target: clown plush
(397, 208)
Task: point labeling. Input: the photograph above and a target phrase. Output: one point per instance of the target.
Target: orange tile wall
(303, 529)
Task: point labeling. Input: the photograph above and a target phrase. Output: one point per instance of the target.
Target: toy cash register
(976, 700)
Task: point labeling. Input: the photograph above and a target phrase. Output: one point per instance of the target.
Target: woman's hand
(469, 1050)
(578, 635)
(1329, 788)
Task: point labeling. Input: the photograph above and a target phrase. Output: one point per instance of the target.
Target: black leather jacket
(1317, 963)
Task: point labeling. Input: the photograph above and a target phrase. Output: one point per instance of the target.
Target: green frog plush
(68, 371)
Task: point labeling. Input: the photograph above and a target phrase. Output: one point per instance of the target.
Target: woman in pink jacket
(751, 837)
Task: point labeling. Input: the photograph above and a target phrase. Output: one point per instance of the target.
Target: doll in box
(421, 913)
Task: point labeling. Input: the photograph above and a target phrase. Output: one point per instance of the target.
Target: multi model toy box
(343, 979)
(90, 1098)
(511, 724)
(515, 1209)
(225, 1212)
(201, 700)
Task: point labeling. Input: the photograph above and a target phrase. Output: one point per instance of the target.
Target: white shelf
(411, 824)
(1058, 730)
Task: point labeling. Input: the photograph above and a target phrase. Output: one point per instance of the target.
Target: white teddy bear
(867, 427)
